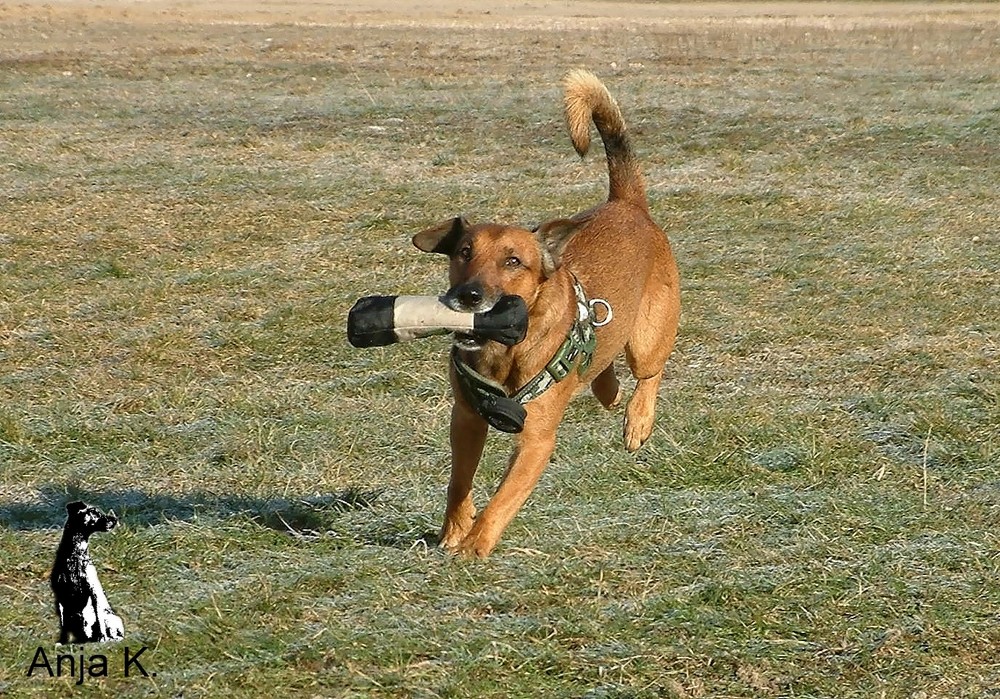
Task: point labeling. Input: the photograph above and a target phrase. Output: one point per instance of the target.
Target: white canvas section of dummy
(420, 316)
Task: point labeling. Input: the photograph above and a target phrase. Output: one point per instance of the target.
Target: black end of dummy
(506, 322)
(370, 322)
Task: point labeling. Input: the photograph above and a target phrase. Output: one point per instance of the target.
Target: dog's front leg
(468, 435)
(63, 621)
(101, 623)
(534, 447)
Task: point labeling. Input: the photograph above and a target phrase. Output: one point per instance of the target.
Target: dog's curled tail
(586, 98)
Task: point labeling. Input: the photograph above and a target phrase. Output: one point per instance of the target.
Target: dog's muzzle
(469, 297)
(107, 522)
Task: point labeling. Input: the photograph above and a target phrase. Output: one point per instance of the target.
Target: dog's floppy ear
(73, 508)
(553, 236)
(443, 237)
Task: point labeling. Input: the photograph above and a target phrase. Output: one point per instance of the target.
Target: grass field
(192, 196)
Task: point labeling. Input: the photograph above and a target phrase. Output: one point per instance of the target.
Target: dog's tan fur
(619, 254)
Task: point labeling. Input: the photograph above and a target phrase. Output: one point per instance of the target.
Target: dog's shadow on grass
(307, 516)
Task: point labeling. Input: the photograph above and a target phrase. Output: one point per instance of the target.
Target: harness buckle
(561, 365)
(587, 349)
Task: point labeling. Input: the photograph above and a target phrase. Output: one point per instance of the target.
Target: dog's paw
(471, 542)
(478, 543)
(616, 401)
(453, 534)
(114, 628)
(637, 429)
(640, 414)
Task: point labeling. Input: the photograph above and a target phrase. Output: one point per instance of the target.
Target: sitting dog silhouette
(85, 614)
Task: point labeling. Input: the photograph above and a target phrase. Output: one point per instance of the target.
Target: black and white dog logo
(84, 611)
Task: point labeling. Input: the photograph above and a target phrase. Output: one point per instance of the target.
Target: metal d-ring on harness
(608, 313)
(507, 413)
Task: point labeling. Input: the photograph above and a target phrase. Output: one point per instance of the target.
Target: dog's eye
(513, 262)
(465, 254)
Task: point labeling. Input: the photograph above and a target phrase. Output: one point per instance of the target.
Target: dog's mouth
(467, 342)
(483, 306)
(457, 299)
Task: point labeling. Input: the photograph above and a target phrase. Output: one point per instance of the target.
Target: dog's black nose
(469, 295)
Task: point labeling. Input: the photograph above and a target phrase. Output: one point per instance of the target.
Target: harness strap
(580, 343)
(506, 413)
(488, 398)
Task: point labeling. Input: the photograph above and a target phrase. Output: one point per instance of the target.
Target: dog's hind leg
(606, 389)
(647, 350)
(641, 412)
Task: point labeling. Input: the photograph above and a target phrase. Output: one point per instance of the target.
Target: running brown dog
(606, 274)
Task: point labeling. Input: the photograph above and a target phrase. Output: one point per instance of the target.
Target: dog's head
(87, 519)
(488, 261)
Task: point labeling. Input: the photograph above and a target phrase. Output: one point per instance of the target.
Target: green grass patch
(190, 209)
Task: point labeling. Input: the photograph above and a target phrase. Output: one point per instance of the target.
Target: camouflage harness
(506, 413)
